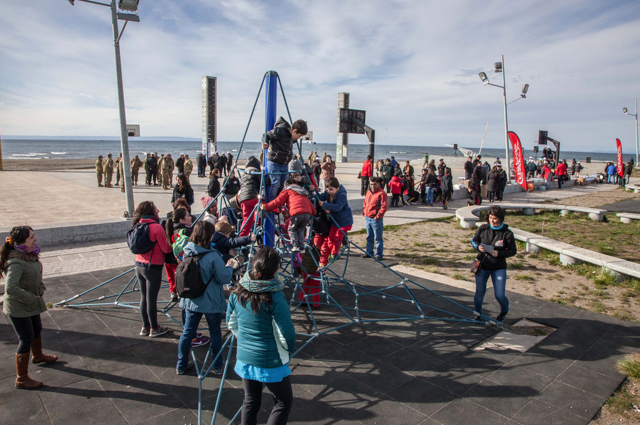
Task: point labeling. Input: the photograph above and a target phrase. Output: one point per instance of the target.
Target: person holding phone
(494, 243)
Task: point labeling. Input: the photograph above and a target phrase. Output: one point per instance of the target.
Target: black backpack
(189, 283)
(138, 239)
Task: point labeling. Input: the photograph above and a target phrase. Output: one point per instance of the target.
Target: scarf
(259, 286)
(25, 250)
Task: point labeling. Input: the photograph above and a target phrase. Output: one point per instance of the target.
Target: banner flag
(518, 160)
(620, 166)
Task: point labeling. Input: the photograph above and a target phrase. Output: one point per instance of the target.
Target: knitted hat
(295, 166)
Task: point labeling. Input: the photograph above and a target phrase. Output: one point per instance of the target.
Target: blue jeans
(429, 195)
(277, 179)
(499, 279)
(374, 233)
(191, 321)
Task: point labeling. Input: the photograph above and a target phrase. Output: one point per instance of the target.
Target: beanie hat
(295, 166)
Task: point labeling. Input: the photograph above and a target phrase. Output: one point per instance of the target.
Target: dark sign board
(348, 126)
(542, 137)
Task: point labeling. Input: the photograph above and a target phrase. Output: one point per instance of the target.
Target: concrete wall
(60, 233)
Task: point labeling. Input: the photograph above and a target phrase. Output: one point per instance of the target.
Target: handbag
(476, 265)
(359, 174)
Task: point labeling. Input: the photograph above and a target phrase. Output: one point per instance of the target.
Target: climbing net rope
(347, 298)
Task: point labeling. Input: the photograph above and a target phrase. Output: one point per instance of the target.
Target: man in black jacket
(468, 169)
(152, 163)
(229, 162)
(180, 163)
(441, 167)
(280, 141)
(222, 164)
(202, 164)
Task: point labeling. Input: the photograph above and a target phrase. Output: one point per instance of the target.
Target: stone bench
(572, 255)
(633, 186)
(468, 216)
(628, 217)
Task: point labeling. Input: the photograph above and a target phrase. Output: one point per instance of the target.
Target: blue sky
(412, 65)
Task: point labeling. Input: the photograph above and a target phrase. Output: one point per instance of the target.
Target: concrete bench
(628, 217)
(468, 216)
(573, 255)
(633, 186)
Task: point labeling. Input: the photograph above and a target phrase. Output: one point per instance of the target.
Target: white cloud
(411, 64)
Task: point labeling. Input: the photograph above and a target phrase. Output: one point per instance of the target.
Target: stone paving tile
(501, 399)
(578, 402)
(421, 395)
(463, 411)
(537, 412)
(386, 410)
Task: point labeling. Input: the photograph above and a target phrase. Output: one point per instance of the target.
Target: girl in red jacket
(396, 189)
(149, 268)
(300, 209)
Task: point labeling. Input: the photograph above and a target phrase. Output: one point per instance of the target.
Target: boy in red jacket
(300, 209)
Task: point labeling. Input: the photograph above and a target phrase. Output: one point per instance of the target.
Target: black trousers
(150, 280)
(27, 329)
(282, 395)
(364, 185)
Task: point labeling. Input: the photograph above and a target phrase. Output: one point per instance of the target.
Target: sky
(412, 65)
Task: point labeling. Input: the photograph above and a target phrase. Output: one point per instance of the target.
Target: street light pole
(124, 137)
(506, 122)
(637, 162)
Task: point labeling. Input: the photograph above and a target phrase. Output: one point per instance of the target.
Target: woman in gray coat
(23, 303)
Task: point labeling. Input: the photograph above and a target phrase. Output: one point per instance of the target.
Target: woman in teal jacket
(212, 303)
(258, 315)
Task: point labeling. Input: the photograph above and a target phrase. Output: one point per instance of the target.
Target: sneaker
(174, 297)
(501, 316)
(200, 341)
(218, 370)
(295, 249)
(365, 256)
(158, 332)
(144, 332)
(379, 257)
(182, 371)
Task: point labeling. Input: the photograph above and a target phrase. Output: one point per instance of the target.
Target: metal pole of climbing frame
(271, 108)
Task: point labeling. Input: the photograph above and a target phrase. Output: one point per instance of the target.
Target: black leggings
(282, 394)
(150, 280)
(27, 329)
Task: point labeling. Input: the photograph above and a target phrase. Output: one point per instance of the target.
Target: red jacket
(561, 170)
(156, 234)
(545, 172)
(396, 185)
(367, 170)
(375, 204)
(296, 202)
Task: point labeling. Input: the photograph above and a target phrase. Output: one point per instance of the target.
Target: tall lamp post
(499, 68)
(131, 6)
(626, 111)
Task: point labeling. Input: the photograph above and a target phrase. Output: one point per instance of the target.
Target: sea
(85, 149)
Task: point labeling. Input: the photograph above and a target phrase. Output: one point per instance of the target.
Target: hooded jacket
(396, 185)
(212, 270)
(296, 198)
(266, 339)
(366, 169)
(223, 244)
(250, 183)
(446, 183)
(23, 286)
(338, 207)
(501, 239)
(280, 142)
(214, 186)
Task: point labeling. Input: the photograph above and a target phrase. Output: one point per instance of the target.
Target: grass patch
(523, 277)
(600, 294)
(437, 235)
(517, 265)
(624, 315)
(522, 246)
(421, 244)
(49, 305)
(598, 307)
(630, 366)
(440, 250)
(429, 262)
(459, 276)
(621, 401)
(559, 301)
(468, 257)
(404, 255)
(605, 278)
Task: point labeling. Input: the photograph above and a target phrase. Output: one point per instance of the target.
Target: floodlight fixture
(73, 2)
(525, 89)
(498, 66)
(484, 78)
(626, 111)
(130, 5)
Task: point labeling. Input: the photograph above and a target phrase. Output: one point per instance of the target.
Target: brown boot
(22, 371)
(38, 355)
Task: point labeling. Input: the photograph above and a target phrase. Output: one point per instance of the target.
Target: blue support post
(271, 108)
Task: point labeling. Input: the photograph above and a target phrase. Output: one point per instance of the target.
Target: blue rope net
(345, 298)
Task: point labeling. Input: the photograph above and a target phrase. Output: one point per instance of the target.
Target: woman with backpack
(176, 226)
(149, 267)
(214, 274)
(259, 317)
(23, 302)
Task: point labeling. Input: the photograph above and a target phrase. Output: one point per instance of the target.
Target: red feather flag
(518, 160)
(620, 167)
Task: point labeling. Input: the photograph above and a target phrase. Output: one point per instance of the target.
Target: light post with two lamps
(626, 111)
(130, 6)
(499, 68)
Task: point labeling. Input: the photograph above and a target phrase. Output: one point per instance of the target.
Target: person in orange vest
(375, 205)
